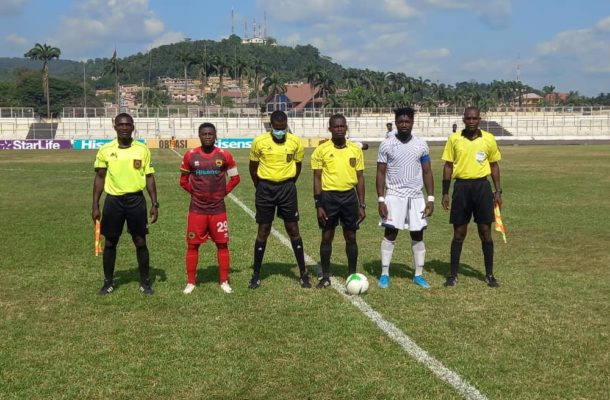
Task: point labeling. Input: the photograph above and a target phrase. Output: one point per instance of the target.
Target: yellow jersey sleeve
(300, 151)
(448, 153)
(494, 152)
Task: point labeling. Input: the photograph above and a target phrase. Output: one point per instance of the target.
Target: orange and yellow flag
(499, 224)
(97, 237)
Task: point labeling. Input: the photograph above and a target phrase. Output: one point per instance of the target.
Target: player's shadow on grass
(399, 270)
(287, 270)
(443, 268)
(338, 270)
(124, 276)
(209, 273)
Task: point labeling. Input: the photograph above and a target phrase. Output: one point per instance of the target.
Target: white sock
(387, 249)
(419, 256)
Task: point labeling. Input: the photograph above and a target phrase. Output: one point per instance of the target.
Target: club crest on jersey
(352, 162)
(191, 235)
(289, 157)
(137, 164)
(219, 163)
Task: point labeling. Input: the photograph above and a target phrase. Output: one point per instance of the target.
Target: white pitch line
(452, 378)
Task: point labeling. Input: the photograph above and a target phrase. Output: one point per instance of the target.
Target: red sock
(192, 257)
(223, 261)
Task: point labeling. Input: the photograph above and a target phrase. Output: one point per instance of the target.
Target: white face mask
(278, 134)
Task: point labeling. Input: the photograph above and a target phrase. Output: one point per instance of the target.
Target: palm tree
(257, 69)
(204, 67)
(312, 75)
(44, 53)
(327, 83)
(549, 90)
(112, 67)
(186, 59)
(273, 85)
(221, 63)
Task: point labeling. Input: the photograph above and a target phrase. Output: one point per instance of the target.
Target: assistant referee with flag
(470, 156)
(123, 169)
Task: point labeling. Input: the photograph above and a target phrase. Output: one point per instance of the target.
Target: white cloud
(400, 8)
(603, 24)
(15, 40)
(586, 50)
(287, 10)
(495, 14)
(96, 26)
(11, 7)
(167, 38)
(434, 53)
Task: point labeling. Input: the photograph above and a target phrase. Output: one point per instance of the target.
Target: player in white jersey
(403, 169)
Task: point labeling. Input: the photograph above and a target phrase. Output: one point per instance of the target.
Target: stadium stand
(364, 124)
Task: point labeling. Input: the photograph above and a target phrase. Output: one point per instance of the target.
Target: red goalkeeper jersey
(204, 176)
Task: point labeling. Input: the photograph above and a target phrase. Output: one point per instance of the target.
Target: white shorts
(405, 213)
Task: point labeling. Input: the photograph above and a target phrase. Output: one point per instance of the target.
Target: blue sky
(565, 43)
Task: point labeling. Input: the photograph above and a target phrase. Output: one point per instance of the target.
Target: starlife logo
(234, 143)
(31, 145)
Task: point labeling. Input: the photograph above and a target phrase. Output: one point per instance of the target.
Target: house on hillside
(530, 100)
(298, 97)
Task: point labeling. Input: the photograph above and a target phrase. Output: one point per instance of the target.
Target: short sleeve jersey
(339, 166)
(277, 161)
(404, 165)
(207, 176)
(471, 158)
(126, 168)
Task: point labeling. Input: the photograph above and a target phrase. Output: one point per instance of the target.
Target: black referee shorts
(340, 207)
(472, 197)
(129, 207)
(271, 195)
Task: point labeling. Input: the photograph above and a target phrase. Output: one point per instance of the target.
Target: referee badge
(137, 164)
(289, 157)
(352, 162)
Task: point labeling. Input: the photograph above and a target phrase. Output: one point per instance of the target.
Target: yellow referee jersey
(471, 158)
(277, 161)
(338, 166)
(126, 168)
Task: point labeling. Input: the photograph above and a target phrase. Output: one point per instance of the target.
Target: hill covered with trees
(268, 67)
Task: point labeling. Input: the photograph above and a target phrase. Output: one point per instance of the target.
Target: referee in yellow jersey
(470, 156)
(275, 165)
(338, 191)
(123, 169)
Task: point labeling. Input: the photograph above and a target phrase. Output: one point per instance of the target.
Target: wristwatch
(155, 204)
(362, 205)
(499, 191)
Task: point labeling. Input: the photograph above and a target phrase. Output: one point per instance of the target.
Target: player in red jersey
(204, 175)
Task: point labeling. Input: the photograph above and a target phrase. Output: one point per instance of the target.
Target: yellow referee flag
(97, 237)
(499, 224)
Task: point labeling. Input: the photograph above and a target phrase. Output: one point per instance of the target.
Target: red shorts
(200, 226)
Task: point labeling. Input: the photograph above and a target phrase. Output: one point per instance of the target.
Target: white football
(356, 284)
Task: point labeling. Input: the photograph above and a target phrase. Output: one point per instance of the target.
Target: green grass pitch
(544, 334)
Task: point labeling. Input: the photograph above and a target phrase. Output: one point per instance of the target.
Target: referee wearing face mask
(275, 165)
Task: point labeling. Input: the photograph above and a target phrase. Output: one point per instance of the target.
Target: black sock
(456, 252)
(259, 252)
(351, 249)
(299, 254)
(143, 262)
(326, 250)
(109, 259)
(488, 257)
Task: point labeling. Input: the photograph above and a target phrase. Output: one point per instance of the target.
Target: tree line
(267, 69)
